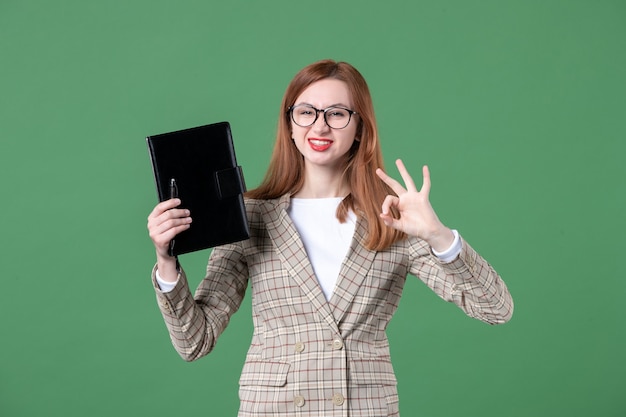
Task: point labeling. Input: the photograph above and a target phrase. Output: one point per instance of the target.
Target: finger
(164, 206)
(169, 219)
(163, 233)
(171, 232)
(393, 184)
(388, 202)
(408, 181)
(387, 216)
(158, 217)
(426, 182)
(390, 221)
(159, 221)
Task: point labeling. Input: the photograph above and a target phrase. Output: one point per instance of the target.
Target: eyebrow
(327, 107)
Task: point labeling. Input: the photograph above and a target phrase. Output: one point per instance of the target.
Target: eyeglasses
(305, 115)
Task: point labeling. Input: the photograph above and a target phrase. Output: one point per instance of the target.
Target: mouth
(320, 144)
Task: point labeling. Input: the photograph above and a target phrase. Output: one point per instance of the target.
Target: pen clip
(173, 188)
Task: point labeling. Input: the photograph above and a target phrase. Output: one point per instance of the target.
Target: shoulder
(264, 213)
(258, 207)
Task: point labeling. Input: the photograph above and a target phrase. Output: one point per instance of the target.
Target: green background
(518, 107)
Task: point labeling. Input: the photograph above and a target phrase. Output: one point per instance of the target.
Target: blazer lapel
(291, 251)
(353, 272)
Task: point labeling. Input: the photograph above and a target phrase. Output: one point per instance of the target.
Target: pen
(173, 188)
(173, 194)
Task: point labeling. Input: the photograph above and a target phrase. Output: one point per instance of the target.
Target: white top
(325, 239)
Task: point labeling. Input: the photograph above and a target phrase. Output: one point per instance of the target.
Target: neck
(323, 184)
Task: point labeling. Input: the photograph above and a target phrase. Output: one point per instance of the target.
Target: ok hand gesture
(417, 217)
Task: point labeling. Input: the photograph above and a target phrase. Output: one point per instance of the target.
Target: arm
(468, 280)
(195, 322)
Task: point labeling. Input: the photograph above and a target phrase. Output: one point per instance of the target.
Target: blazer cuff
(165, 286)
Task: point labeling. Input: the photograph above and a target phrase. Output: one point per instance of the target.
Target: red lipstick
(319, 144)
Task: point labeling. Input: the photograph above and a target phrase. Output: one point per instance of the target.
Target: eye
(304, 111)
(337, 113)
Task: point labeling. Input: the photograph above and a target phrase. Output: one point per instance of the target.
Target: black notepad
(198, 165)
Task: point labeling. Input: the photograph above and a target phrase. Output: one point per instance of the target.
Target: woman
(332, 241)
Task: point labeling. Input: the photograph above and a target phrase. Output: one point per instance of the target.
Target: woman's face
(320, 144)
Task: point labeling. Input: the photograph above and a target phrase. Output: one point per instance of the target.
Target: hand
(164, 223)
(417, 217)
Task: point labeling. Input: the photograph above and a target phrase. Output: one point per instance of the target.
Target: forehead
(326, 93)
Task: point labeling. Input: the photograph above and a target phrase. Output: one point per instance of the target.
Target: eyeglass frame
(317, 114)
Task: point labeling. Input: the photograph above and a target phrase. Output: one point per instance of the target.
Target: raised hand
(417, 217)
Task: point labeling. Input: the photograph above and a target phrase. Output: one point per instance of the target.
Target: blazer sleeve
(195, 322)
(468, 281)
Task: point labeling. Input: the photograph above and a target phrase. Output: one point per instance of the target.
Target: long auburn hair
(285, 173)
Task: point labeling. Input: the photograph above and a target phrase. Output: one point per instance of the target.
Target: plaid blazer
(310, 356)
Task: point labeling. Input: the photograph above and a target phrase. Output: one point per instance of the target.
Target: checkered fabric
(309, 356)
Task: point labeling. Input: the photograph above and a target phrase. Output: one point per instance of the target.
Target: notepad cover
(209, 183)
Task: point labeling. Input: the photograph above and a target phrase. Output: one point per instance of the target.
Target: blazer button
(299, 347)
(337, 344)
(298, 400)
(338, 399)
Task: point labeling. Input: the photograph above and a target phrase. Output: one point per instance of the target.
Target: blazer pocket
(264, 373)
(371, 372)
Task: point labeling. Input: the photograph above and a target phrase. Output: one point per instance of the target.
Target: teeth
(320, 142)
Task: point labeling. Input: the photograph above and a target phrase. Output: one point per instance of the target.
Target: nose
(320, 124)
